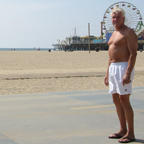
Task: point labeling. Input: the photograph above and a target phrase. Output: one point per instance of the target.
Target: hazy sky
(40, 23)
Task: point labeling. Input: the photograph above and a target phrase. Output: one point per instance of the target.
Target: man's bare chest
(117, 40)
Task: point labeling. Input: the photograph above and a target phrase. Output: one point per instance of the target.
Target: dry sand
(24, 72)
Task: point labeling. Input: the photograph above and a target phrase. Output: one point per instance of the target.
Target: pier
(93, 46)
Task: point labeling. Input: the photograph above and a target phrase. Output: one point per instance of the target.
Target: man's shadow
(139, 141)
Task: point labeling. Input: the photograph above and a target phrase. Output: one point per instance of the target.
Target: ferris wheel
(132, 16)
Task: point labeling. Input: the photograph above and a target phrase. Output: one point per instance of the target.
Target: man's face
(117, 19)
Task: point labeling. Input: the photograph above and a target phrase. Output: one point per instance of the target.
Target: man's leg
(120, 113)
(124, 99)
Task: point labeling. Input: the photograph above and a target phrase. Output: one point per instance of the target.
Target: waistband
(119, 63)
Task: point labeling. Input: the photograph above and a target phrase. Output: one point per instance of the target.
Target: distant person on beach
(122, 56)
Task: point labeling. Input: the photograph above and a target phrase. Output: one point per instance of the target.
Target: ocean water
(25, 49)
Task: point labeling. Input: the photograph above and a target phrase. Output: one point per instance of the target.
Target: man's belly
(118, 55)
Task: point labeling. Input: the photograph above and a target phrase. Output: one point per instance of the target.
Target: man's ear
(124, 19)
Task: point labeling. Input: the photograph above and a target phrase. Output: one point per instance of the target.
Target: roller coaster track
(140, 31)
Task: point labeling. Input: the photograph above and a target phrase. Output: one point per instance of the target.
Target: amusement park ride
(133, 19)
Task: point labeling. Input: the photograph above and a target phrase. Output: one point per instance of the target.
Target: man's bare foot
(115, 136)
(126, 140)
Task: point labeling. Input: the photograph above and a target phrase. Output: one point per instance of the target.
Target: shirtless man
(122, 56)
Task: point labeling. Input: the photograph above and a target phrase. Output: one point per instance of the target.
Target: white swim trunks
(116, 74)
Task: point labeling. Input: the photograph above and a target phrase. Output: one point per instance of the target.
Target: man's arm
(132, 43)
(106, 79)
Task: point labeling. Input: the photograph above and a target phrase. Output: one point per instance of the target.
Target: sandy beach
(25, 72)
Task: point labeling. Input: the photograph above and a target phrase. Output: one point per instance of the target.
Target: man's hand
(126, 79)
(106, 80)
